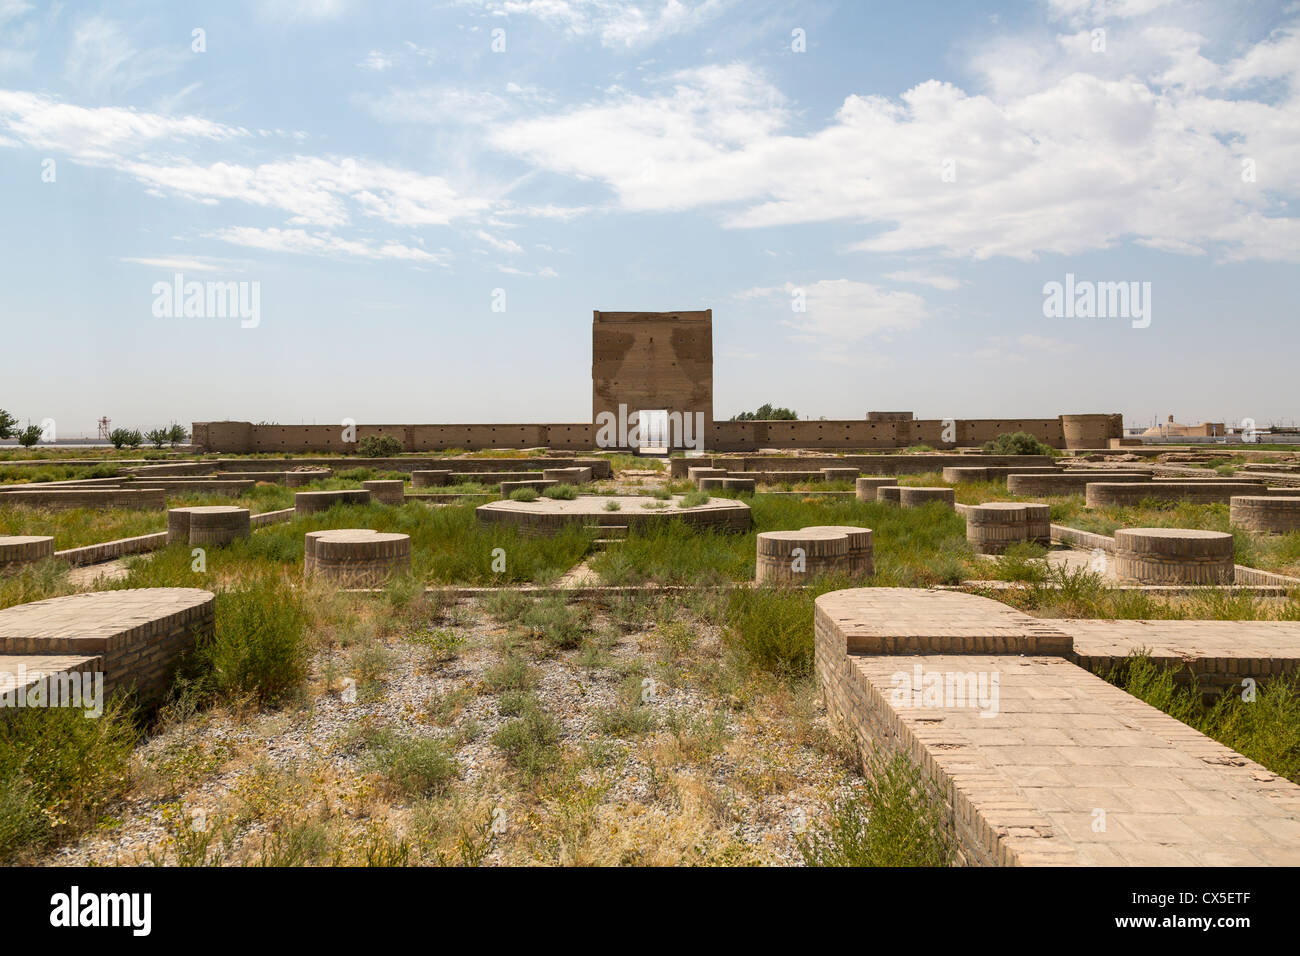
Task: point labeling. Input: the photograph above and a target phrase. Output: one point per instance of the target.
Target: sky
(427, 201)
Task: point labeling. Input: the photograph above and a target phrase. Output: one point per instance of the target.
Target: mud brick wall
(653, 360)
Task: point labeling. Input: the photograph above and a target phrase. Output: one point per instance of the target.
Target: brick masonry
(356, 557)
(1219, 654)
(1172, 556)
(146, 499)
(1265, 514)
(138, 635)
(16, 551)
(547, 516)
(1025, 783)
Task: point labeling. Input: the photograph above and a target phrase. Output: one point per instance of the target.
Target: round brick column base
(797, 557)
(1173, 556)
(23, 549)
(355, 557)
(208, 525)
(1266, 515)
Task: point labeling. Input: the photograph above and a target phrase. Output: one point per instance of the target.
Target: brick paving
(1052, 765)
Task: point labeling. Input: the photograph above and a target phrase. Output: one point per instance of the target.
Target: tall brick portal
(653, 361)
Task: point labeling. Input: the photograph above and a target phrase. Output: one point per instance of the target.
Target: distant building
(1173, 429)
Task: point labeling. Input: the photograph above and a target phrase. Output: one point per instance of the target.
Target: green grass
(1061, 592)
(559, 625)
(36, 474)
(1267, 729)
(259, 650)
(448, 545)
(895, 821)
(531, 741)
(914, 547)
(524, 494)
(771, 628)
(561, 492)
(412, 767)
(59, 771)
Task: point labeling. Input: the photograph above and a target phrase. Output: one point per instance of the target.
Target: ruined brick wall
(653, 360)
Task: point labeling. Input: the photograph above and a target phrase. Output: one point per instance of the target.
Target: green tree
(30, 435)
(7, 423)
(158, 436)
(767, 413)
(177, 435)
(125, 438)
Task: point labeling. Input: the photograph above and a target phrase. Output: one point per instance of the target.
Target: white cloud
(99, 134)
(102, 60)
(312, 190)
(377, 61)
(842, 310)
(1097, 11)
(911, 277)
(302, 242)
(545, 272)
(189, 263)
(617, 23)
(297, 10)
(501, 245)
(1070, 164)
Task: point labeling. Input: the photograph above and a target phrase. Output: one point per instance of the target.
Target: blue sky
(914, 176)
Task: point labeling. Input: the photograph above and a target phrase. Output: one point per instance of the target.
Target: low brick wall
(144, 499)
(108, 550)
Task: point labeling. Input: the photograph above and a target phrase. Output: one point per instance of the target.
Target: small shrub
(561, 492)
(613, 506)
(1022, 561)
(1020, 443)
(505, 607)
(513, 673)
(125, 438)
(531, 741)
(59, 769)
(417, 766)
(693, 499)
(895, 822)
(773, 627)
(379, 446)
(259, 649)
(524, 494)
(557, 623)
